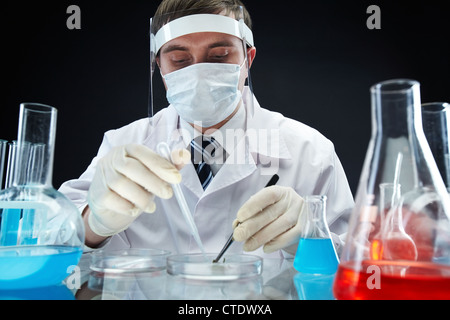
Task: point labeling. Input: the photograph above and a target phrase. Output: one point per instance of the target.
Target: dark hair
(169, 10)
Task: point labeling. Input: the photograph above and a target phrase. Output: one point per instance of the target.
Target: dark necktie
(202, 155)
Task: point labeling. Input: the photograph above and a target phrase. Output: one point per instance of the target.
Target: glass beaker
(435, 119)
(315, 252)
(398, 241)
(41, 231)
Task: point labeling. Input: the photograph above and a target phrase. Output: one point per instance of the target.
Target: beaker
(435, 119)
(398, 242)
(41, 231)
(315, 252)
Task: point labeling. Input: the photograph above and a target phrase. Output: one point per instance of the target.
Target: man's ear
(251, 54)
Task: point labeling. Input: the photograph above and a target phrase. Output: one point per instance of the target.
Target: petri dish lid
(231, 267)
(129, 261)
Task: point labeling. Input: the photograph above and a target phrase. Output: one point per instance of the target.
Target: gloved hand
(125, 184)
(270, 218)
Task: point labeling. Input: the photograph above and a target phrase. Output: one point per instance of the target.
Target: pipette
(164, 150)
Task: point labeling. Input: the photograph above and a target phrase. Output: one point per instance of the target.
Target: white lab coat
(303, 158)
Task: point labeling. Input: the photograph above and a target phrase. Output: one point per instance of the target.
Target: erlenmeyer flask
(397, 248)
(41, 231)
(315, 252)
(436, 125)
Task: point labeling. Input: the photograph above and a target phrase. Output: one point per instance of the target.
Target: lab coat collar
(263, 130)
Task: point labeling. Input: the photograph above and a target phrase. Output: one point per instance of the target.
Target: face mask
(204, 92)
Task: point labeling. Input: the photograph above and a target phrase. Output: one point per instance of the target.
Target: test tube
(25, 163)
(3, 144)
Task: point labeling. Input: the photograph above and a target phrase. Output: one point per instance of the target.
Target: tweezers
(230, 240)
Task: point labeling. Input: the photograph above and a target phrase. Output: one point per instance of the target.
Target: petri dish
(230, 267)
(129, 261)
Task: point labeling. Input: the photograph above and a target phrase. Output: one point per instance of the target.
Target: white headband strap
(202, 23)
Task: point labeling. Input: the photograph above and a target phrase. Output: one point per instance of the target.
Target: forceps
(230, 240)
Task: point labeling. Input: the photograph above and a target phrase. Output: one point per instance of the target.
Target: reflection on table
(278, 281)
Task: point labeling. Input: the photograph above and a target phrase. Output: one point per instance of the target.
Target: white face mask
(204, 92)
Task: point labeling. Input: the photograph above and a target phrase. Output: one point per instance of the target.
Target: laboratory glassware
(315, 252)
(435, 119)
(133, 260)
(164, 151)
(3, 144)
(41, 232)
(314, 286)
(232, 267)
(398, 241)
(136, 274)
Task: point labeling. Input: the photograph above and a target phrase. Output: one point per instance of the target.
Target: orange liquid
(396, 281)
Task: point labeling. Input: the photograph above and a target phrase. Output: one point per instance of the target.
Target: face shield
(203, 65)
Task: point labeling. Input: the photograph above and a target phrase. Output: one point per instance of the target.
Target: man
(204, 55)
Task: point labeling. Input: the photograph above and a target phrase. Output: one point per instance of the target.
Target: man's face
(202, 47)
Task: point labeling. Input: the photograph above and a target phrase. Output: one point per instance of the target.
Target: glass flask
(398, 242)
(315, 252)
(3, 144)
(435, 119)
(41, 231)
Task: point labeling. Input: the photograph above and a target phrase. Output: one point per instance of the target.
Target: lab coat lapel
(191, 181)
(239, 165)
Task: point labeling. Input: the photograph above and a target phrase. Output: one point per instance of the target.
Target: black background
(316, 61)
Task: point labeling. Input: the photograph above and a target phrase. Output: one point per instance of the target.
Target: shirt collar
(237, 122)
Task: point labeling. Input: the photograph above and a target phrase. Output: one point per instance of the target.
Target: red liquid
(418, 281)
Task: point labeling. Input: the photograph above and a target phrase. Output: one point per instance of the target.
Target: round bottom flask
(41, 231)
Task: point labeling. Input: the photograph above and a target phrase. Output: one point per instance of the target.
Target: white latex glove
(125, 184)
(270, 218)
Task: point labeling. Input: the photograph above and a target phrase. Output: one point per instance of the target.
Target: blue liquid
(314, 286)
(60, 292)
(9, 222)
(36, 266)
(316, 256)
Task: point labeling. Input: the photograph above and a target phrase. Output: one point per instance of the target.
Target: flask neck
(34, 149)
(316, 223)
(396, 109)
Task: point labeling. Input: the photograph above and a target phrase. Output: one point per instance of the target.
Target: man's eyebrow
(173, 47)
(176, 47)
(221, 44)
